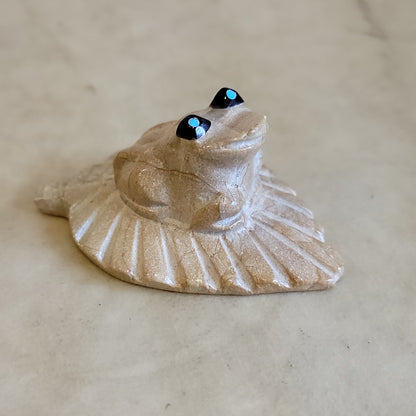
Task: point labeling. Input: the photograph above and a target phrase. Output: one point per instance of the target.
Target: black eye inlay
(193, 127)
(225, 98)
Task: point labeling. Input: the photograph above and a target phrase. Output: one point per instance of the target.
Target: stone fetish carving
(190, 208)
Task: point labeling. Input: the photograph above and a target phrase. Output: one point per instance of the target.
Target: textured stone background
(80, 79)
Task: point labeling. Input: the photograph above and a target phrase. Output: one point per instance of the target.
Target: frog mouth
(240, 146)
(247, 143)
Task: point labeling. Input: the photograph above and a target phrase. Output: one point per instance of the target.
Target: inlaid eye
(226, 98)
(193, 127)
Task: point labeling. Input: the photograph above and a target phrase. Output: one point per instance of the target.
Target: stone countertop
(80, 80)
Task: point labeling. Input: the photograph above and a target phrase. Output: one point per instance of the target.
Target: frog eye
(226, 98)
(193, 127)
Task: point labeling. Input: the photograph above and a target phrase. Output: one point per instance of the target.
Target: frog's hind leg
(57, 199)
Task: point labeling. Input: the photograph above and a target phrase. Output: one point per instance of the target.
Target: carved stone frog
(190, 208)
(200, 181)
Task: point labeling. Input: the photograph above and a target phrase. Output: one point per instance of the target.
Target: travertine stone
(196, 214)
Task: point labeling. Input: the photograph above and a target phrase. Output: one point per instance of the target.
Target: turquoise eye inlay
(231, 94)
(192, 127)
(226, 98)
(193, 122)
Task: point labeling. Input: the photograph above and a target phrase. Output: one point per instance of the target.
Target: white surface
(80, 80)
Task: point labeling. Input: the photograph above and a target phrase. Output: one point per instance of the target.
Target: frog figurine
(190, 208)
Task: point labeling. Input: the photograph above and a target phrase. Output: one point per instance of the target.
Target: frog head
(198, 172)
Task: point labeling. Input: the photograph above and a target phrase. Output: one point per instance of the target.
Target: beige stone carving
(197, 215)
